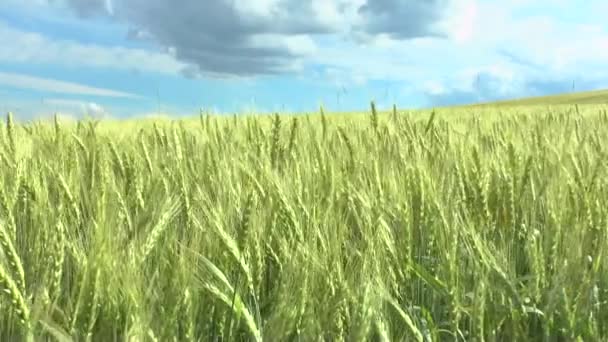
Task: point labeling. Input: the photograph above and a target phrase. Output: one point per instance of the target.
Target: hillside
(587, 97)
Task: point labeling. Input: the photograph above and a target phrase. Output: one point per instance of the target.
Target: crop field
(487, 224)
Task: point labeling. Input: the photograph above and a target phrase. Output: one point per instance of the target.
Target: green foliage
(436, 226)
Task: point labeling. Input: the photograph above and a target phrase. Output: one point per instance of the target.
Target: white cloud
(55, 86)
(434, 87)
(547, 39)
(71, 109)
(461, 23)
(35, 48)
(295, 44)
(78, 107)
(515, 49)
(266, 37)
(489, 47)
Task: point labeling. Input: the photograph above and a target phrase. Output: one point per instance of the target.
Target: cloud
(14, 80)
(34, 48)
(461, 20)
(66, 109)
(488, 90)
(89, 8)
(502, 82)
(517, 59)
(476, 84)
(78, 107)
(223, 37)
(523, 48)
(467, 50)
(481, 87)
(265, 37)
(403, 19)
(555, 36)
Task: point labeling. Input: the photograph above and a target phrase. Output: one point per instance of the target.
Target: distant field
(597, 97)
(468, 224)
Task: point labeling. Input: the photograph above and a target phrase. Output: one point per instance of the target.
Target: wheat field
(397, 226)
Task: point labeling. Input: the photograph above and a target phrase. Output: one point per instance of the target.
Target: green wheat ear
(10, 131)
(13, 260)
(323, 121)
(374, 116)
(10, 290)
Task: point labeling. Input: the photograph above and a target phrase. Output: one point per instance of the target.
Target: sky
(132, 58)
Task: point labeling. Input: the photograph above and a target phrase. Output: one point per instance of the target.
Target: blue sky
(129, 58)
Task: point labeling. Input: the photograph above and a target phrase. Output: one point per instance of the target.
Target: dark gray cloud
(248, 37)
(216, 36)
(403, 19)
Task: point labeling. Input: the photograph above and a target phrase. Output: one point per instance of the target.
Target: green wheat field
(462, 224)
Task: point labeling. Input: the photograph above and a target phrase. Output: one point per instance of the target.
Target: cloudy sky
(138, 57)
